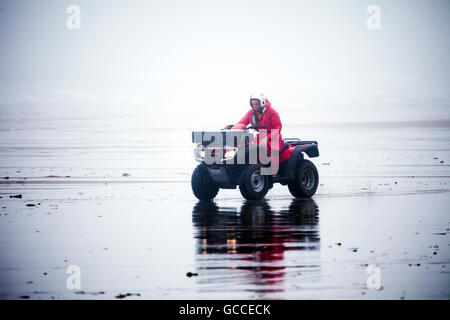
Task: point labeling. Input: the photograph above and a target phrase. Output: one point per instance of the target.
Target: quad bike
(233, 165)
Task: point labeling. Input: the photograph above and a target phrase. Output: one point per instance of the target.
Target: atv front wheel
(203, 186)
(306, 180)
(252, 184)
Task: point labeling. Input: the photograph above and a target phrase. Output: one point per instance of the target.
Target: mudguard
(220, 175)
(310, 149)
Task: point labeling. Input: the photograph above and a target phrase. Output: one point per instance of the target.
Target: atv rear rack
(298, 142)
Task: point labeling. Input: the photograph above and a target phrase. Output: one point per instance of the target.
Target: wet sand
(112, 196)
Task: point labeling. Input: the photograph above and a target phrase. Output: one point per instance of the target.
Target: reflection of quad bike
(228, 170)
(257, 228)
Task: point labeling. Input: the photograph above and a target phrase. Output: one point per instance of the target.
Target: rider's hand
(228, 127)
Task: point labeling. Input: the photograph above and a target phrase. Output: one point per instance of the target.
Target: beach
(109, 192)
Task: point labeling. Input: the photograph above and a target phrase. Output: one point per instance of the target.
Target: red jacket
(270, 119)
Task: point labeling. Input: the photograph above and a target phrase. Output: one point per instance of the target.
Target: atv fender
(310, 149)
(220, 175)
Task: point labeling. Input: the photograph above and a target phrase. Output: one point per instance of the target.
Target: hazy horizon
(317, 59)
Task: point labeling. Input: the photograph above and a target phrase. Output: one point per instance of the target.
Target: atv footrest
(282, 180)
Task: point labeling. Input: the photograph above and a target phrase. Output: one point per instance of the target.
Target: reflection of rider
(262, 114)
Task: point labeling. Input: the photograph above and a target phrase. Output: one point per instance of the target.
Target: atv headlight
(229, 153)
(202, 153)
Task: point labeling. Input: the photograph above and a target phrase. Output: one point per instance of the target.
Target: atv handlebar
(228, 127)
(257, 127)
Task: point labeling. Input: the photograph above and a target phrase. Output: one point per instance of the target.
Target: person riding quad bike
(262, 115)
(252, 154)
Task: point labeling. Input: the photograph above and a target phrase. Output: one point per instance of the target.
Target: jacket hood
(268, 104)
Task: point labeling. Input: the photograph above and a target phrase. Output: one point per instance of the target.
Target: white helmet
(260, 97)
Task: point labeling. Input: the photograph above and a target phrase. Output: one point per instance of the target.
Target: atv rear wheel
(252, 184)
(203, 186)
(306, 180)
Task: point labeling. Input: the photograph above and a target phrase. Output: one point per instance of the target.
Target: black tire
(306, 180)
(203, 186)
(252, 184)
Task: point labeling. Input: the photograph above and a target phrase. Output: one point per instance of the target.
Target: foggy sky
(199, 55)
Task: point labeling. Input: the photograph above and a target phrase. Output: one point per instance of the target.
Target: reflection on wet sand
(252, 247)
